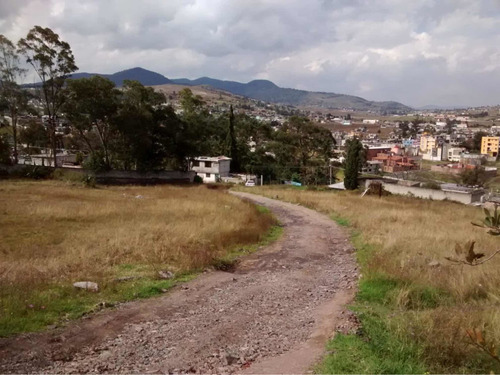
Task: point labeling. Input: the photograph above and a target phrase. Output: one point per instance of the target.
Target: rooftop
(212, 158)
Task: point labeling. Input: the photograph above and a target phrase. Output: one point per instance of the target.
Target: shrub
(35, 172)
(432, 185)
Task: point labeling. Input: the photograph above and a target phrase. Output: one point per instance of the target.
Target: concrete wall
(224, 167)
(122, 177)
(462, 197)
(46, 160)
(133, 177)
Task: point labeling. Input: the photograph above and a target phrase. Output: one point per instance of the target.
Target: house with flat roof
(211, 168)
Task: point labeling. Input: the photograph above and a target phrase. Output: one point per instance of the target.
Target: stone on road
(274, 314)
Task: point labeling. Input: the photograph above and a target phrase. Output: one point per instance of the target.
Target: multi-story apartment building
(427, 143)
(490, 146)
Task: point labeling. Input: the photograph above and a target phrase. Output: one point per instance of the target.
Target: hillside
(262, 90)
(146, 77)
(269, 92)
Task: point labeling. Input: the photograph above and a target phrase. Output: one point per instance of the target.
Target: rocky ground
(273, 314)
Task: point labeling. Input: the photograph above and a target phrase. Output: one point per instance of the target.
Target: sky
(418, 52)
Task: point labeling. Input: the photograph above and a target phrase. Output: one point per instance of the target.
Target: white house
(437, 153)
(211, 169)
(454, 153)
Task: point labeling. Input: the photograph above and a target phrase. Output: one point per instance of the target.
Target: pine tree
(352, 163)
(233, 146)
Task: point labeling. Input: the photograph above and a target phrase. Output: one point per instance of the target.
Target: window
(207, 175)
(208, 164)
(196, 163)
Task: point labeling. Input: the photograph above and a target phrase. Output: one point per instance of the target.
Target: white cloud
(419, 52)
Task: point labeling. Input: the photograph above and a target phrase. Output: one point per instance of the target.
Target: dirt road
(272, 315)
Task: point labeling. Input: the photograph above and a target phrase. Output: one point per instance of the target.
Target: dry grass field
(54, 234)
(402, 246)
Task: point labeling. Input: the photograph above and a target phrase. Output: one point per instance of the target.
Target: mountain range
(260, 90)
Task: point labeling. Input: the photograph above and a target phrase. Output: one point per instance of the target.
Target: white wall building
(211, 169)
(438, 153)
(454, 153)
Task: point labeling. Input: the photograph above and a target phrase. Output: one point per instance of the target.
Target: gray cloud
(421, 52)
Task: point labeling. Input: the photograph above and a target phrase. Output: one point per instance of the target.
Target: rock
(434, 263)
(165, 274)
(87, 285)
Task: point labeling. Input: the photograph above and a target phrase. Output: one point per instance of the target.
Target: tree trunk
(52, 123)
(14, 135)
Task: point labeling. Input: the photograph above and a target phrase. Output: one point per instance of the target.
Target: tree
(91, 106)
(34, 135)
(53, 61)
(10, 92)
(203, 134)
(190, 103)
(4, 150)
(302, 147)
(151, 135)
(473, 177)
(352, 163)
(476, 141)
(232, 145)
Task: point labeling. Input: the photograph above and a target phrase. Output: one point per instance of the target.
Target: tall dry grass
(53, 233)
(407, 234)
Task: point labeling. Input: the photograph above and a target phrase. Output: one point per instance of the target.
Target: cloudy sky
(418, 52)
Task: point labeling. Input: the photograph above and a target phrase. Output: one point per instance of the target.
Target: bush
(75, 177)
(197, 180)
(95, 162)
(432, 185)
(5, 150)
(472, 177)
(35, 172)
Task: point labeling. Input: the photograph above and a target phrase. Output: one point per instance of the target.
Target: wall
(133, 177)
(220, 168)
(211, 178)
(462, 197)
(122, 177)
(224, 167)
(46, 160)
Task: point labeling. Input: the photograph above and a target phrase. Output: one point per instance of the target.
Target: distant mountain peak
(262, 83)
(144, 76)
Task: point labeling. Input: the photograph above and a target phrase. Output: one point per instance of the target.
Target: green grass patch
(374, 349)
(60, 303)
(377, 289)
(340, 220)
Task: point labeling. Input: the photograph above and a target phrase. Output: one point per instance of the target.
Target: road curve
(272, 315)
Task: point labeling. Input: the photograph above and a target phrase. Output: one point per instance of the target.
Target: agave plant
(491, 221)
(465, 254)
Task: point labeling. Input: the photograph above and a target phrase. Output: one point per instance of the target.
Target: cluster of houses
(407, 155)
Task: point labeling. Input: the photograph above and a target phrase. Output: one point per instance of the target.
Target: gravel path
(273, 314)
